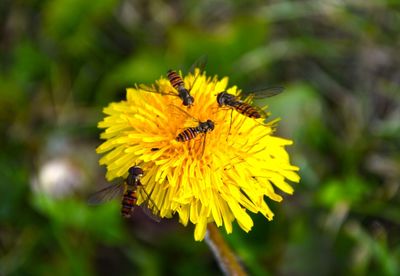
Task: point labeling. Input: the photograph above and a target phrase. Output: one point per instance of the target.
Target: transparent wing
(265, 92)
(200, 63)
(151, 213)
(106, 194)
(153, 89)
(149, 207)
(177, 108)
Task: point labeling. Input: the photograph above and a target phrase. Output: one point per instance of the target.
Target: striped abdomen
(188, 134)
(246, 109)
(128, 203)
(175, 80)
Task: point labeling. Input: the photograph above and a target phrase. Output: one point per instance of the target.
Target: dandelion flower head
(216, 177)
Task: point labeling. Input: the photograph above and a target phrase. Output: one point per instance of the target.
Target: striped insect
(244, 107)
(128, 190)
(178, 84)
(191, 133)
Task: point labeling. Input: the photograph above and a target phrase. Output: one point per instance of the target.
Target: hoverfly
(128, 190)
(244, 107)
(177, 82)
(191, 133)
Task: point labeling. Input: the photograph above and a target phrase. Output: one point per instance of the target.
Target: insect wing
(153, 89)
(150, 213)
(184, 112)
(265, 92)
(200, 63)
(106, 194)
(149, 207)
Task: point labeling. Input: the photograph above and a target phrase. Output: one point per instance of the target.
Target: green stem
(222, 253)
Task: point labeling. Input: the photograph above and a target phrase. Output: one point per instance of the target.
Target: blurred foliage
(62, 61)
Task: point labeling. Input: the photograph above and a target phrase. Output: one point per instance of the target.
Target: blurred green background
(62, 61)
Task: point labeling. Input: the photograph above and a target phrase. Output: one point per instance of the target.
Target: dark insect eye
(135, 170)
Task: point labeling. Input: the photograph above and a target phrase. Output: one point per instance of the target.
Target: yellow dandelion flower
(215, 177)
